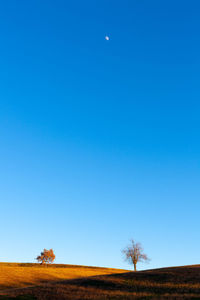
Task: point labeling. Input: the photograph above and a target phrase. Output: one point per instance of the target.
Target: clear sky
(100, 140)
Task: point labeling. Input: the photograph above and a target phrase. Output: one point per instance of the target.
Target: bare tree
(46, 257)
(134, 254)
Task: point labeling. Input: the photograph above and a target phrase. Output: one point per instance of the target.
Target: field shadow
(22, 297)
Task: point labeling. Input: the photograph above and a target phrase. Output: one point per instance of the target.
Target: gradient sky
(100, 140)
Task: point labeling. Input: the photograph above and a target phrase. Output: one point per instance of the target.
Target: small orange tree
(134, 253)
(46, 257)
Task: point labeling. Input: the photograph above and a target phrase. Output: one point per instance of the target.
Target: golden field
(60, 282)
(15, 275)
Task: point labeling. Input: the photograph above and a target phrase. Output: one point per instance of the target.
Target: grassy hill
(15, 275)
(31, 281)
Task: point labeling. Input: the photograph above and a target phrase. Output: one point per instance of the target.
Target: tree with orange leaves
(46, 257)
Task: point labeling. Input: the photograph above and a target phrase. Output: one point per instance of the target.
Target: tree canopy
(46, 257)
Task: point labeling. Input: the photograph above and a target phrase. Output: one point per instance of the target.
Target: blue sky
(100, 139)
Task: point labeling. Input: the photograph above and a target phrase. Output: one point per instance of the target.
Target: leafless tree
(46, 257)
(134, 254)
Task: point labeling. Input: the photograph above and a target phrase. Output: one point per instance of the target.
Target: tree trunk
(135, 269)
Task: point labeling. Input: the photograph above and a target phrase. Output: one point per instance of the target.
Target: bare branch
(134, 253)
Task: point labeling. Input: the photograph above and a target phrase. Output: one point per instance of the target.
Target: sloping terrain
(15, 275)
(167, 283)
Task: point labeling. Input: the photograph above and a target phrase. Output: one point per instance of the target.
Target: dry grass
(14, 275)
(167, 283)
